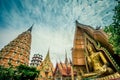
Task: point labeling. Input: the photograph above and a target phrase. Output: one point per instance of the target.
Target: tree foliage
(114, 29)
(6, 73)
(27, 72)
(22, 72)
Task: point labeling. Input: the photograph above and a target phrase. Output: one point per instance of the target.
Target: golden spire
(47, 56)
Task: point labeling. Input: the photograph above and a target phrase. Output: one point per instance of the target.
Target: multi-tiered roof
(36, 60)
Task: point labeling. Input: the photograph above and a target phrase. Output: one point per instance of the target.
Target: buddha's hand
(104, 66)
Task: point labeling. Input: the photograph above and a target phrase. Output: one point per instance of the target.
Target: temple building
(36, 60)
(64, 71)
(17, 51)
(92, 54)
(46, 69)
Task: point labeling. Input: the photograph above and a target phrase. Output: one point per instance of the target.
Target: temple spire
(47, 56)
(30, 29)
(66, 59)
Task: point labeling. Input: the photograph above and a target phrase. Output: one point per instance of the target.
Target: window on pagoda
(14, 52)
(0, 51)
(7, 52)
(17, 62)
(20, 54)
(23, 48)
(9, 60)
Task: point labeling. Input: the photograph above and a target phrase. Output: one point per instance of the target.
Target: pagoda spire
(30, 29)
(66, 59)
(48, 55)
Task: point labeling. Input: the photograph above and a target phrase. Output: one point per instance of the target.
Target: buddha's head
(90, 49)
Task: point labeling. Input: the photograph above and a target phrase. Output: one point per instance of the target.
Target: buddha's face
(89, 48)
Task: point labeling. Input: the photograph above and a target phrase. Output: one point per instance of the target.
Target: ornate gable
(46, 68)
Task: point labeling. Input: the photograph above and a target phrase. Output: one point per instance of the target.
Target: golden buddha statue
(97, 62)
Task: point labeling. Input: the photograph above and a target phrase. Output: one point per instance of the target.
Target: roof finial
(76, 21)
(30, 29)
(66, 59)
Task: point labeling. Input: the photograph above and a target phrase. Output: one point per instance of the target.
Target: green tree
(26, 72)
(114, 29)
(6, 73)
(21, 72)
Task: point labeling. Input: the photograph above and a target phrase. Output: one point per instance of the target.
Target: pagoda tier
(36, 60)
(17, 51)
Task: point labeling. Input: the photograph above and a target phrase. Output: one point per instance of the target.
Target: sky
(54, 22)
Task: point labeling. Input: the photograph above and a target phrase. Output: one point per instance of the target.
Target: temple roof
(97, 34)
(65, 70)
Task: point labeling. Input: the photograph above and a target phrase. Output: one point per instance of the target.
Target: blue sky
(54, 22)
